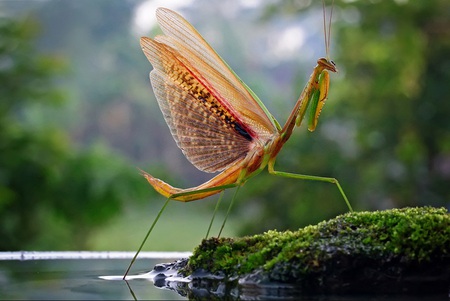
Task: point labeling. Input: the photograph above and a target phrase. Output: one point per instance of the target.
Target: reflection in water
(203, 286)
(89, 279)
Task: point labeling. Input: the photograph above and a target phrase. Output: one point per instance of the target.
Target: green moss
(409, 235)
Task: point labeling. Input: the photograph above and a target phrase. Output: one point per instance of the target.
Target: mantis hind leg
(310, 178)
(227, 214)
(164, 207)
(146, 236)
(214, 214)
(229, 210)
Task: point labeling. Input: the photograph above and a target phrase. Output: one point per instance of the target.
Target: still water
(97, 276)
(77, 276)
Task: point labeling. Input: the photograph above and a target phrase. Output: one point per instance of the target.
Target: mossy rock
(393, 251)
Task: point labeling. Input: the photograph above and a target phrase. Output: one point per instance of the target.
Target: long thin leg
(214, 214)
(146, 236)
(310, 178)
(228, 211)
(161, 211)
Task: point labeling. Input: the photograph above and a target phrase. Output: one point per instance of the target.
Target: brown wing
(210, 69)
(212, 116)
(208, 135)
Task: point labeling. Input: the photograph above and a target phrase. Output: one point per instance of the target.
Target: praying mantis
(215, 118)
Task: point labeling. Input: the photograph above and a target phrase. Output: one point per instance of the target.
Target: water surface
(97, 276)
(76, 276)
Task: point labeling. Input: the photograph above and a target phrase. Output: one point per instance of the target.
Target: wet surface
(204, 286)
(78, 279)
(93, 278)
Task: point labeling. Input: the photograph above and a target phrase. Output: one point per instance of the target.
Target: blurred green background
(78, 117)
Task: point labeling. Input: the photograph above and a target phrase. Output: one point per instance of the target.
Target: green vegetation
(51, 197)
(77, 115)
(384, 131)
(398, 237)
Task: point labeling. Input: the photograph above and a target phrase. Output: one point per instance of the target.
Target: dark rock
(399, 251)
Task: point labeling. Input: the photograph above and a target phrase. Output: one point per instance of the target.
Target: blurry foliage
(108, 90)
(397, 66)
(51, 196)
(385, 131)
